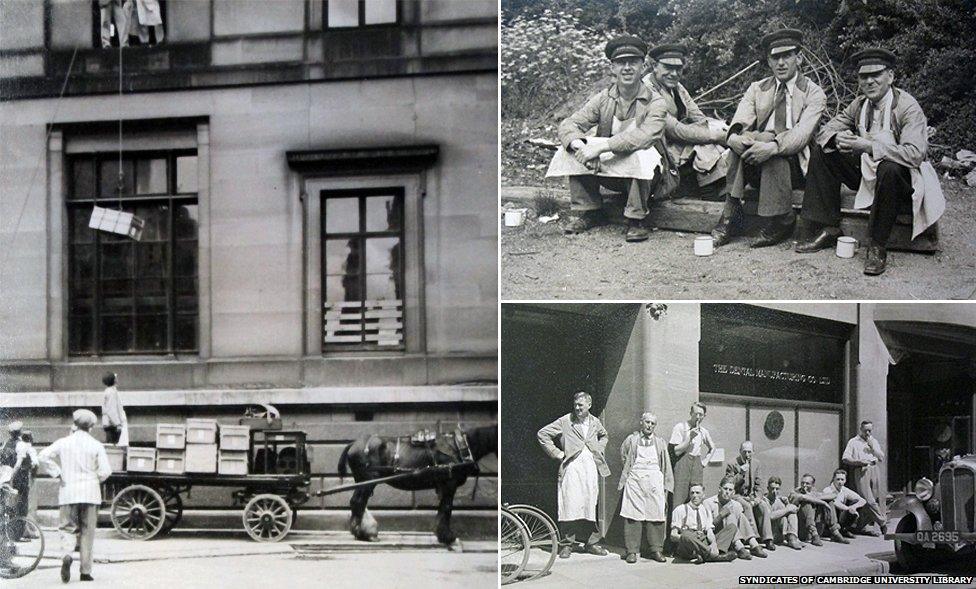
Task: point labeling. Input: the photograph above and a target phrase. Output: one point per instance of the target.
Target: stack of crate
(201, 445)
(234, 445)
(170, 444)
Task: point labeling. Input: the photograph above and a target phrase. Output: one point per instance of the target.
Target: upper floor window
(362, 253)
(127, 296)
(130, 22)
(360, 13)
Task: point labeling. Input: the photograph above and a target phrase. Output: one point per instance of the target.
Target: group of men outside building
(749, 513)
(877, 146)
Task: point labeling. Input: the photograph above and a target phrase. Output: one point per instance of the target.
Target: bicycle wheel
(22, 549)
(543, 540)
(514, 547)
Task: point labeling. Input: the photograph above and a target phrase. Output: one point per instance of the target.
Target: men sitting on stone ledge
(877, 146)
(769, 137)
(629, 118)
(694, 146)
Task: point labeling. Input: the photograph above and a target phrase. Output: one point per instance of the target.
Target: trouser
(727, 531)
(784, 526)
(821, 199)
(867, 483)
(22, 485)
(584, 192)
(692, 543)
(121, 12)
(570, 530)
(654, 533)
(78, 522)
(775, 178)
(112, 434)
(688, 470)
(758, 517)
(816, 520)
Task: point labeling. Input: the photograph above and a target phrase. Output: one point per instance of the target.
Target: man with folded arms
(581, 464)
(628, 118)
(728, 514)
(877, 146)
(694, 148)
(692, 532)
(645, 482)
(782, 515)
(816, 514)
(851, 508)
(770, 135)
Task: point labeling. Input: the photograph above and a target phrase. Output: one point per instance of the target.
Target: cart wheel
(138, 512)
(21, 547)
(174, 509)
(267, 518)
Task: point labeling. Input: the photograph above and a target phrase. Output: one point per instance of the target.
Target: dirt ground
(539, 262)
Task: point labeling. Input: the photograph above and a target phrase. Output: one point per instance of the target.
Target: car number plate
(936, 536)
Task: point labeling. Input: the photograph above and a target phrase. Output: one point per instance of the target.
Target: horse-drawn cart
(147, 504)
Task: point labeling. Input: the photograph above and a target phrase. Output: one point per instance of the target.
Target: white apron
(642, 164)
(644, 494)
(928, 202)
(579, 488)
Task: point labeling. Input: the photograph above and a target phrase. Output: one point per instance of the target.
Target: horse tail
(343, 460)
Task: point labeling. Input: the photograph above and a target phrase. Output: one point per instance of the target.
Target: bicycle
(21, 540)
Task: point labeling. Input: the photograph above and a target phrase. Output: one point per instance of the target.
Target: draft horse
(372, 456)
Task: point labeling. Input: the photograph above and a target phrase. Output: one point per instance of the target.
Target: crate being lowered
(201, 458)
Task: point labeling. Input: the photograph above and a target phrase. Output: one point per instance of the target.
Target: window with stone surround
(360, 13)
(127, 296)
(363, 268)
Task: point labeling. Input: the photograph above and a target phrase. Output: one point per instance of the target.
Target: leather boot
(876, 261)
(730, 223)
(584, 222)
(775, 230)
(825, 239)
(636, 230)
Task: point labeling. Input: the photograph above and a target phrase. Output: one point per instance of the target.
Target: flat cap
(84, 418)
(669, 54)
(625, 46)
(873, 60)
(15, 426)
(782, 41)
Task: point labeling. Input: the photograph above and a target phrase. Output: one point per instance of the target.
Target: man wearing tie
(878, 146)
(645, 482)
(578, 440)
(861, 456)
(692, 531)
(769, 137)
(746, 476)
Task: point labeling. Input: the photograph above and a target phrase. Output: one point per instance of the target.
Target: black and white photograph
(248, 293)
(687, 444)
(733, 149)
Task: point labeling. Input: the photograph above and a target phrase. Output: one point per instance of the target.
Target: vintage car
(937, 520)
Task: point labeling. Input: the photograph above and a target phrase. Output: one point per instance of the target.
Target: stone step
(699, 216)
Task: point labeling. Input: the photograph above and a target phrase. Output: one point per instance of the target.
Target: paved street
(194, 559)
(865, 556)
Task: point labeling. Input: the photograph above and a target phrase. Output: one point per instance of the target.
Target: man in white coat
(578, 440)
(83, 467)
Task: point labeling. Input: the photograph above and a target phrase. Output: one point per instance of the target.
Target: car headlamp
(924, 489)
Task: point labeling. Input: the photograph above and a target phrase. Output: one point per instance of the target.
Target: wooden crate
(116, 457)
(171, 461)
(170, 436)
(231, 462)
(235, 437)
(141, 460)
(201, 458)
(201, 431)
